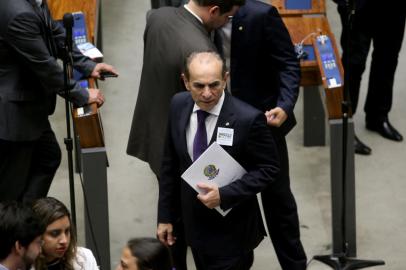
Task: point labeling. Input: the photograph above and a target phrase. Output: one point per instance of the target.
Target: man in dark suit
(30, 78)
(217, 242)
(171, 34)
(265, 73)
(370, 24)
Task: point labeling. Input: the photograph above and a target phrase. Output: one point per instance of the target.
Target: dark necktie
(200, 140)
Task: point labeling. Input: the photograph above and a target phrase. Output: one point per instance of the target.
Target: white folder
(216, 166)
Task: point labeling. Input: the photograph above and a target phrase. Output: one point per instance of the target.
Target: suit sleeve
(283, 56)
(169, 182)
(24, 36)
(261, 153)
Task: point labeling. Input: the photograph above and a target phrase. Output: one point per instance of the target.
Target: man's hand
(95, 96)
(102, 67)
(164, 233)
(276, 117)
(211, 196)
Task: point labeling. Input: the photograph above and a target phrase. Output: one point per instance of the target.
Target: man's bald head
(204, 57)
(205, 78)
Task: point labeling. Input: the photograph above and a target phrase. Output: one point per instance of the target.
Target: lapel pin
(227, 124)
(240, 28)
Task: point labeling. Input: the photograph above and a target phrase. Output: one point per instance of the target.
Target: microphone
(68, 24)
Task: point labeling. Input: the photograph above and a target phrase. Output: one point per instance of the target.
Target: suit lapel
(239, 23)
(226, 118)
(192, 19)
(237, 31)
(39, 11)
(218, 42)
(45, 16)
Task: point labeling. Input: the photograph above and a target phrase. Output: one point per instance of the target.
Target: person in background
(145, 253)
(366, 30)
(31, 43)
(60, 250)
(265, 73)
(20, 236)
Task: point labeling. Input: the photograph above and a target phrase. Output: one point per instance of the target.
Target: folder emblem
(211, 171)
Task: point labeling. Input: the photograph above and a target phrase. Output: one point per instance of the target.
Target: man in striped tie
(196, 118)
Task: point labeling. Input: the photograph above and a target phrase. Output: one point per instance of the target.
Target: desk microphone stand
(340, 261)
(68, 71)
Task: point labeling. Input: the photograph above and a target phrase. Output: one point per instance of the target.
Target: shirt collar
(216, 109)
(194, 14)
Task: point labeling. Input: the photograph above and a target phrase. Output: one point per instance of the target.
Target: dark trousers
(281, 215)
(207, 262)
(179, 249)
(27, 168)
(373, 25)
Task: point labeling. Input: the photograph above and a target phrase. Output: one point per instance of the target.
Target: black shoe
(360, 147)
(385, 129)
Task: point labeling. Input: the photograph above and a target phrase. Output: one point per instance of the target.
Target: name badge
(225, 136)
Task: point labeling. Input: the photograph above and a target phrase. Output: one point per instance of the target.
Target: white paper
(90, 50)
(80, 111)
(215, 165)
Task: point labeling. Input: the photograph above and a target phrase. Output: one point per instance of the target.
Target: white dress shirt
(211, 121)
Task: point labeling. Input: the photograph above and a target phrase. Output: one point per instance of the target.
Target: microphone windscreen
(68, 20)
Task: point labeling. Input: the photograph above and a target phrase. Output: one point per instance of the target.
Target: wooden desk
(300, 27)
(318, 7)
(88, 126)
(93, 159)
(300, 24)
(89, 7)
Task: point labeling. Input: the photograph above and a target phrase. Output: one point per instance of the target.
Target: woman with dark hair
(145, 254)
(60, 250)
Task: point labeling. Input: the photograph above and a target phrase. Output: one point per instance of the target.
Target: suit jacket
(172, 3)
(253, 147)
(30, 77)
(171, 34)
(264, 69)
